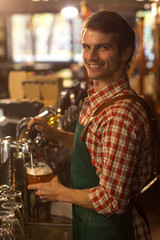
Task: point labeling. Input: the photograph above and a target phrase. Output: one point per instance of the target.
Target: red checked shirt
(119, 145)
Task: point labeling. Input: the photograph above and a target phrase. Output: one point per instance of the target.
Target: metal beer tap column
(13, 156)
(9, 150)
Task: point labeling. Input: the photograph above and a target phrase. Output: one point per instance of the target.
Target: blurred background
(41, 70)
(37, 37)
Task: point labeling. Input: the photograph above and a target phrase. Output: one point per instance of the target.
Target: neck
(100, 84)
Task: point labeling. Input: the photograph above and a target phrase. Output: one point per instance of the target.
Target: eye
(85, 46)
(103, 47)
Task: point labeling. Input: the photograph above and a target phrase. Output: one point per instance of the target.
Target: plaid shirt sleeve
(119, 151)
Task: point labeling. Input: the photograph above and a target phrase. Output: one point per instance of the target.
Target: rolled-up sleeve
(120, 149)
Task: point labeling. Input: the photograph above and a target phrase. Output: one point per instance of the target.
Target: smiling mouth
(94, 66)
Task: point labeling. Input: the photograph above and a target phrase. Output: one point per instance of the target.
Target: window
(148, 36)
(45, 37)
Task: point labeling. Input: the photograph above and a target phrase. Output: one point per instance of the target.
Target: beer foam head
(40, 170)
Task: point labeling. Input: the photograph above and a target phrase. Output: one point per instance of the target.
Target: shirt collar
(97, 98)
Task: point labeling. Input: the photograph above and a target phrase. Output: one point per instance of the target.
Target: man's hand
(47, 191)
(42, 126)
(55, 191)
(52, 133)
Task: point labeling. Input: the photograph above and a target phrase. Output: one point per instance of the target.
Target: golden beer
(38, 173)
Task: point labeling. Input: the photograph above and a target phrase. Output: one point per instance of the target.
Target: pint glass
(38, 171)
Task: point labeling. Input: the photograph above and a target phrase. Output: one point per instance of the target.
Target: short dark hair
(111, 22)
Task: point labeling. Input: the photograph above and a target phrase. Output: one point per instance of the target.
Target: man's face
(100, 55)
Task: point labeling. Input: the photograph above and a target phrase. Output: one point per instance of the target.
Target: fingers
(37, 120)
(39, 187)
(38, 190)
(39, 128)
(30, 123)
(34, 186)
(45, 190)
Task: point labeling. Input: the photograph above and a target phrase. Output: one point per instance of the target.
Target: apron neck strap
(107, 104)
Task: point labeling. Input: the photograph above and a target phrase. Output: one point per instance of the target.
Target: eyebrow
(98, 44)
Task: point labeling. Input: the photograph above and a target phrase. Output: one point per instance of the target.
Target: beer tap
(34, 138)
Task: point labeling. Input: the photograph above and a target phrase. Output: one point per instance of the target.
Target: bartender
(111, 146)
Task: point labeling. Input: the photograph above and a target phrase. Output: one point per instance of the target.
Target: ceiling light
(147, 6)
(154, 9)
(69, 12)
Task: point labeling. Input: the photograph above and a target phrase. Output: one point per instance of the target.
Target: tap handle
(32, 133)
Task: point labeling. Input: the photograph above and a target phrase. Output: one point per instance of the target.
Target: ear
(126, 53)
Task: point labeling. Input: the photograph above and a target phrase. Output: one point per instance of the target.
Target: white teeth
(94, 65)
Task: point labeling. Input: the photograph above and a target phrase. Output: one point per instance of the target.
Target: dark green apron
(89, 225)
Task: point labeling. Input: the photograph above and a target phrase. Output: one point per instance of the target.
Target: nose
(92, 55)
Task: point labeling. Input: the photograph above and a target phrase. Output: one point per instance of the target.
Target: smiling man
(111, 159)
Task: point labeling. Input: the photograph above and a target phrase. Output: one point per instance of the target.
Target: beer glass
(15, 208)
(6, 233)
(2, 200)
(38, 171)
(15, 196)
(4, 187)
(8, 220)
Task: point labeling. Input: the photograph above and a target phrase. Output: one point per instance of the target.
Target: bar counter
(58, 228)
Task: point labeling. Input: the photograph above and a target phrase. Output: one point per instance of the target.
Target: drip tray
(59, 229)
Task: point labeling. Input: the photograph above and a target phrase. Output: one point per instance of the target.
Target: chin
(95, 77)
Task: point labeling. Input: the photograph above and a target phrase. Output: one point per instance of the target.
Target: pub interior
(41, 72)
